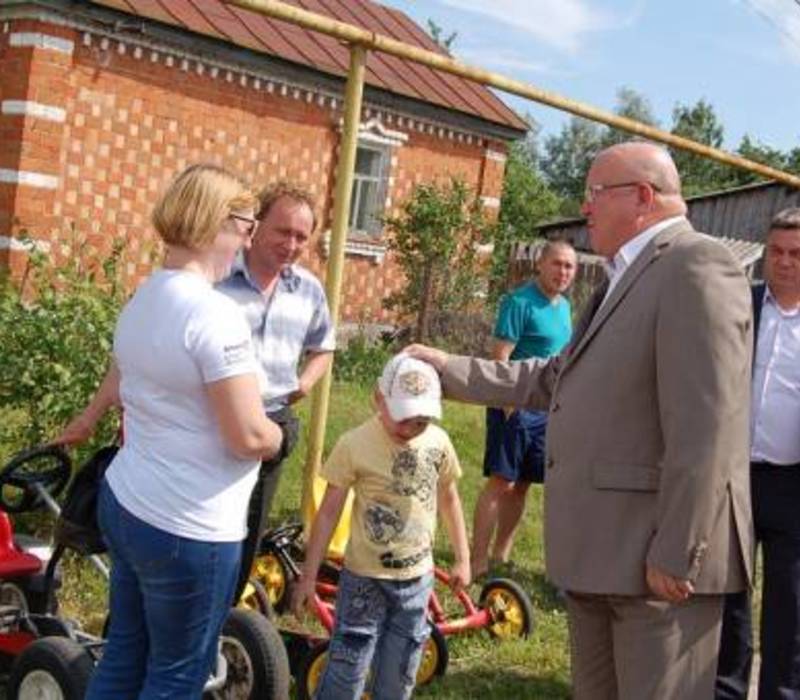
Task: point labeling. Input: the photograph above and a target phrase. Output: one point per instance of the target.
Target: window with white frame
(370, 185)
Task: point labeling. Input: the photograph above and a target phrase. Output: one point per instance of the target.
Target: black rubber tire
(523, 621)
(258, 666)
(436, 644)
(66, 662)
(256, 599)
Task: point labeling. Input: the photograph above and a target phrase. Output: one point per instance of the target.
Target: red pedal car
(48, 657)
(503, 609)
(45, 655)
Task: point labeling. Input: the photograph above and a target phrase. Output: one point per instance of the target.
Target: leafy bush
(434, 240)
(362, 359)
(457, 333)
(56, 328)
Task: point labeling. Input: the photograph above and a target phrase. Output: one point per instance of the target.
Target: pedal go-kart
(48, 656)
(503, 609)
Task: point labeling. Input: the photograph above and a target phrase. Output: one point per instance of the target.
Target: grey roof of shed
(746, 252)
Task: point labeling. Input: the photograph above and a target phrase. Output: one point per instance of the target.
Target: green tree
(438, 35)
(631, 105)
(793, 161)
(568, 155)
(760, 153)
(566, 160)
(527, 201)
(700, 123)
(56, 327)
(434, 242)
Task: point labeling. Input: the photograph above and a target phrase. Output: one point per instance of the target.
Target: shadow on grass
(500, 683)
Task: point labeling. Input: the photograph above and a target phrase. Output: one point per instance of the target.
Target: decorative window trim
(380, 195)
(356, 247)
(373, 131)
(374, 134)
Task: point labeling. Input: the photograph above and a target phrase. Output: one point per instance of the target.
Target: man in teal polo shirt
(534, 321)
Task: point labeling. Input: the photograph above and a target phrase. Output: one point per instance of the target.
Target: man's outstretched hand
(433, 356)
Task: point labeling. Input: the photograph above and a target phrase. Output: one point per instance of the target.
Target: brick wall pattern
(92, 126)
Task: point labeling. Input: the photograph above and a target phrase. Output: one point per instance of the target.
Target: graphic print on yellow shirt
(394, 511)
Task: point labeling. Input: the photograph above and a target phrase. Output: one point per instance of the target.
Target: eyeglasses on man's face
(593, 191)
(251, 223)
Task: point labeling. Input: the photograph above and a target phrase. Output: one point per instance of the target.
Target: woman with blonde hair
(173, 503)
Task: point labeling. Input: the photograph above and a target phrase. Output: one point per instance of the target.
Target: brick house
(101, 102)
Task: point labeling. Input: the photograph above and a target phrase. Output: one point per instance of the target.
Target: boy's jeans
(169, 598)
(382, 624)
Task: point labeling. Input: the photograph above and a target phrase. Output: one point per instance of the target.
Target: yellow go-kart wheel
(509, 607)
(434, 663)
(254, 597)
(311, 669)
(435, 657)
(269, 571)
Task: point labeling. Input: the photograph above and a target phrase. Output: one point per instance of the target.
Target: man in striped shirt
(293, 336)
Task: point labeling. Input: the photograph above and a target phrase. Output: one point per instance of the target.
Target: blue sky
(743, 56)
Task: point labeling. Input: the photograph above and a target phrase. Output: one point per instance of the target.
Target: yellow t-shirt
(394, 510)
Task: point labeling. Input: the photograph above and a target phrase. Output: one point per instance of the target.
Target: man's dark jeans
(264, 492)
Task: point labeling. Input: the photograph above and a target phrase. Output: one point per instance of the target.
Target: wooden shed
(740, 217)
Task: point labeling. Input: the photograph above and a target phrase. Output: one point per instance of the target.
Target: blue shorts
(515, 446)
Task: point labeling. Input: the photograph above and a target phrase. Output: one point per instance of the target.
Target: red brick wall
(132, 122)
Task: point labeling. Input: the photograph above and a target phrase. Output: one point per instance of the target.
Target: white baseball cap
(411, 388)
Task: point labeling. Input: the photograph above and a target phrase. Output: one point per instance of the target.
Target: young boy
(399, 465)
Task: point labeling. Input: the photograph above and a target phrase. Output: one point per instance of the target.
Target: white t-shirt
(174, 336)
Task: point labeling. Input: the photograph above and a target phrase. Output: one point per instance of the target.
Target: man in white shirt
(775, 480)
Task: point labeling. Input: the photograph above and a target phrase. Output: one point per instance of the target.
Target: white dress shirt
(775, 402)
(631, 250)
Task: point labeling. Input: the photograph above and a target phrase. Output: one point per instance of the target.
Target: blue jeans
(169, 598)
(380, 624)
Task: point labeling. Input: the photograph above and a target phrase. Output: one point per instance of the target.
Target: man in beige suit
(647, 510)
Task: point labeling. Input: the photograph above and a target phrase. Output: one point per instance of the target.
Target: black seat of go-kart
(13, 561)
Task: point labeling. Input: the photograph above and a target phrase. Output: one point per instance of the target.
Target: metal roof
(739, 214)
(317, 51)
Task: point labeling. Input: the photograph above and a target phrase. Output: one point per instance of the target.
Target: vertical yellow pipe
(333, 282)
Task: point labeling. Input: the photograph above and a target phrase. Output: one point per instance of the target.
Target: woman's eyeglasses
(250, 230)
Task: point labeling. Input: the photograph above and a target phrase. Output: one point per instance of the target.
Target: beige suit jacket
(647, 444)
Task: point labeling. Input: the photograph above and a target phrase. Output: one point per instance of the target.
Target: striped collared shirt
(285, 324)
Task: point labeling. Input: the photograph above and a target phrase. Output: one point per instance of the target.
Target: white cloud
(506, 60)
(784, 16)
(558, 23)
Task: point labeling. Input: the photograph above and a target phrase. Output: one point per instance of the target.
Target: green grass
(480, 667)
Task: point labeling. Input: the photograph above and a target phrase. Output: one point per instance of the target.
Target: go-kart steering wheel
(290, 531)
(46, 465)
